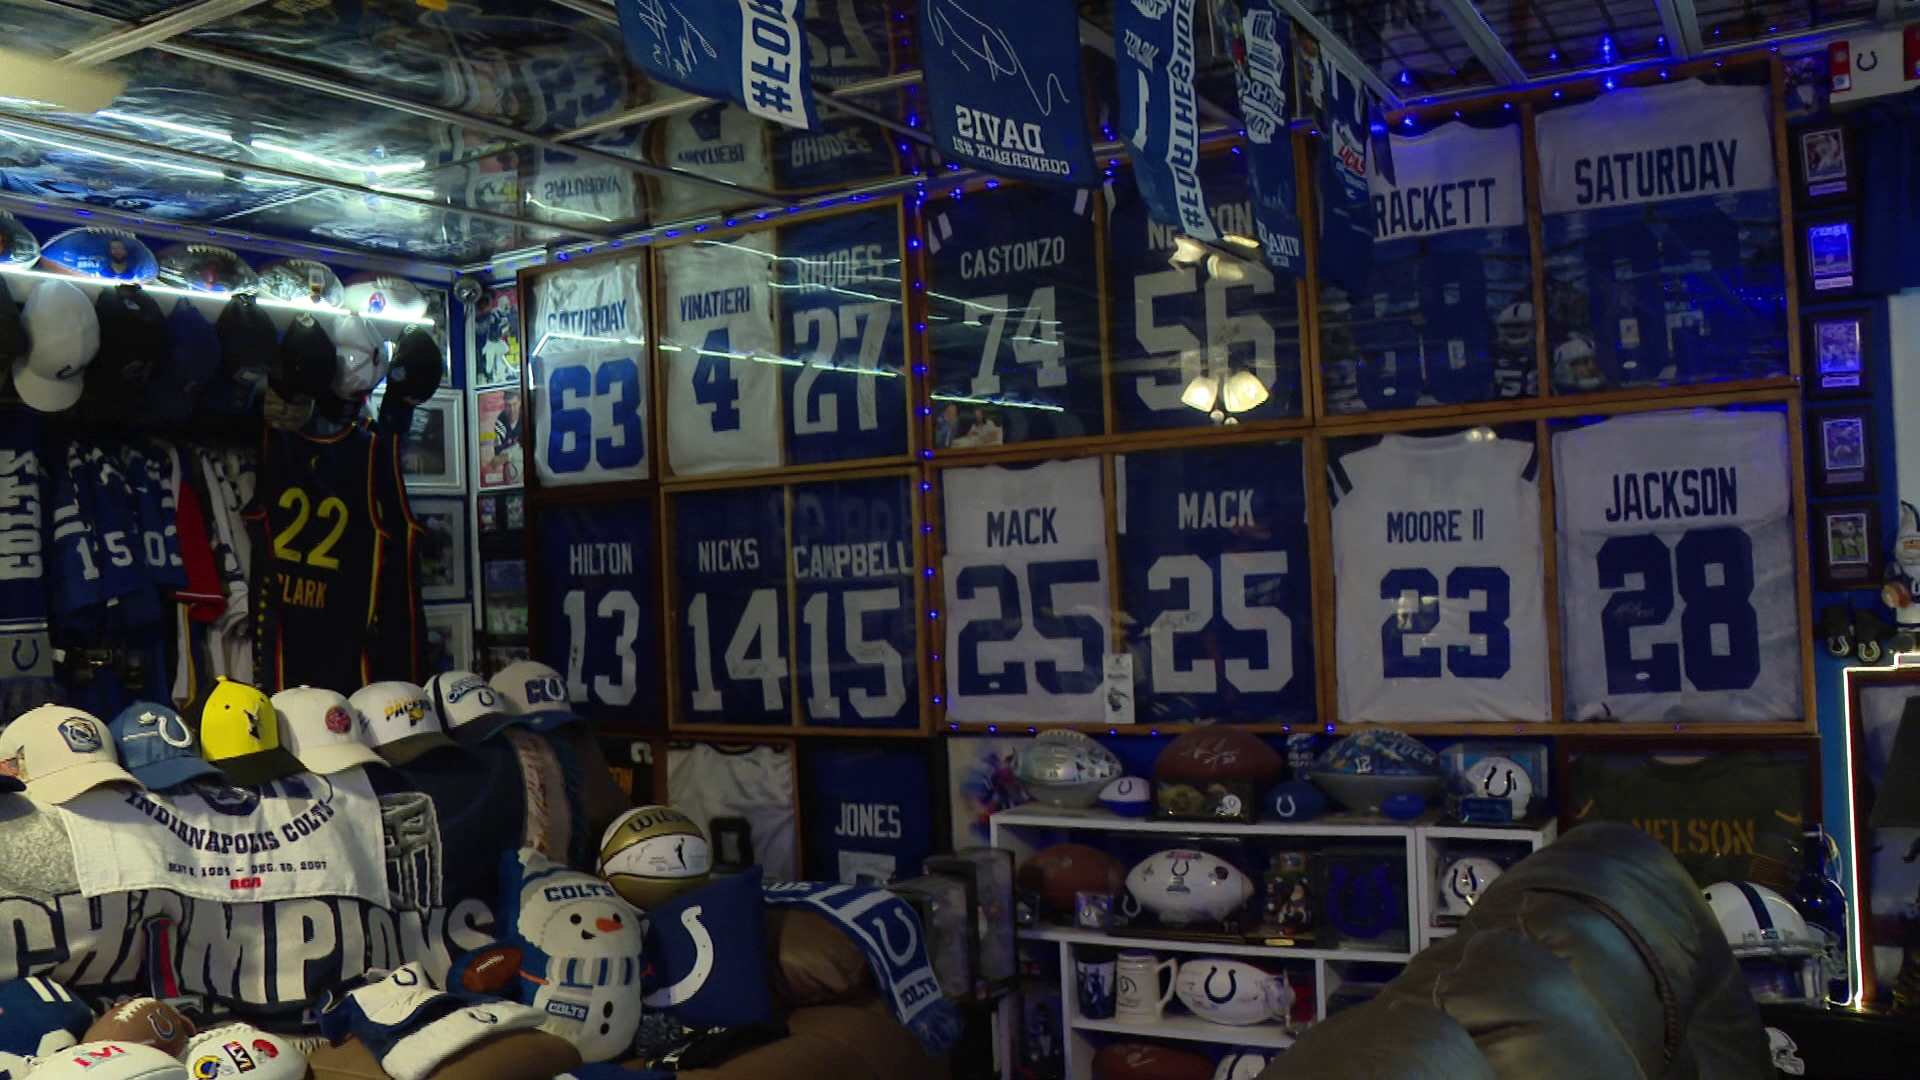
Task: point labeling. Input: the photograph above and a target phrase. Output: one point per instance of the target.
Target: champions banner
(1655, 144)
(1346, 204)
(1261, 47)
(1454, 177)
(1004, 79)
(752, 52)
(1159, 111)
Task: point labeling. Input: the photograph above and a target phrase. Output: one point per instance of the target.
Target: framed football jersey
(854, 569)
(717, 345)
(842, 150)
(589, 375)
(1216, 584)
(869, 812)
(1013, 317)
(725, 142)
(730, 579)
(598, 618)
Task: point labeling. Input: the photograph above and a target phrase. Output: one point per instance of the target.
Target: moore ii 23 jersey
(730, 568)
(723, 401)
(853, 567)
(1216, 583)
(597, 611)
(1026, 588)
(1676, 569)
(841, 318)
(589, 375)
(1438, 580)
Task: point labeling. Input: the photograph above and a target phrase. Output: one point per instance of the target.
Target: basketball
(653, 854)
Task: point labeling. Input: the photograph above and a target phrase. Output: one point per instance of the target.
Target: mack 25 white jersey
(723, 396)
(1676, 568)
(589, 375)
(1439, 580)
(1028, 612)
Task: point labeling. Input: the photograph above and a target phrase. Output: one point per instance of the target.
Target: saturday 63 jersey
(1216, 583)
(1026, 592)
(723, 400)
(853, 566)
(1676, 569)
(1438, 578)
(731, 578)
(841, 318)
(598, 615)
(589, 375)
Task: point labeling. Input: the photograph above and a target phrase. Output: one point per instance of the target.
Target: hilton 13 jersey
(1676, 568)
(589, 375)
(723, 403)
(1026, 588)
(853, 566)
(840, 316)
(1438, 580)
(730, 568)
(597, 610)
(1216, 583)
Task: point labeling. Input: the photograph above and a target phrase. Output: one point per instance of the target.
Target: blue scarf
(889, 932)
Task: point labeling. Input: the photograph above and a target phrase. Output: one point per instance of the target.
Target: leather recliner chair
(1595, 958)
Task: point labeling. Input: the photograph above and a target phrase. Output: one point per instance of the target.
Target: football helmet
(1462, 882)
(1784, 960)
(1514, 325)
(1501, 778)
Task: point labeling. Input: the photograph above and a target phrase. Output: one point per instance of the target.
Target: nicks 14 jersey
(1676, 568)
(853, 570)
(730, 568)
(840, 317)
(723, 401)
(589, 375)
(597, 606)
(1438, 580)
(1026, 587)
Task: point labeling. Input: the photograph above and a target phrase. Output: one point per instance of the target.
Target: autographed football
(1241, 1065)
(144, 1020)
(228, 1053)
(1056, 873)
(1145, 1061)
(109, 1061)
(391, 297)
(1219, 752)
(302, 279)
(1233, 992)
(205, 268)
(1186, 885)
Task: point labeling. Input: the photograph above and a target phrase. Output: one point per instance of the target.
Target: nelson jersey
(841, 319)
(1216, 583)
(724, 142)
(1013, 316)
(1028, 619)
(589, 375)
(1438, 580)
(853, 567)
(1676, 568)
(598, 617)
(723, 399)
(731, 577)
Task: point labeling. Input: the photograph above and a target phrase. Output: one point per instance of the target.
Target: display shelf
(1211, 948)
(1035, 816)
(1193, 1029)
(1427, 851)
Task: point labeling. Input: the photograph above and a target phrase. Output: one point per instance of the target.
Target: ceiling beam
(132, 37)
(1340, 52)
(1481, 37)
(1681, 23)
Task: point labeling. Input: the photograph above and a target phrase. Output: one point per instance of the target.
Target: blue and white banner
(1004, 80)
(1260, 44)
(753, 52)
(1346, 204)
(1654, 145)
(1159, 111)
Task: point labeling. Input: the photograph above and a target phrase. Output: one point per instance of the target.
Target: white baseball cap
(65, 334)
(320, 728)
(109, 1060)
(362, 353)
(400, 719)
(537, 693)
(471, 709)
(59, 752)
(226, 1053)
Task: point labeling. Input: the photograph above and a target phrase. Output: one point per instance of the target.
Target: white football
(1241, 1065)
(1233, 992)
(227, 1053)
(391, 297)
(1462, 882)
(1501, 778)
(109, 1061)
(1183, 885)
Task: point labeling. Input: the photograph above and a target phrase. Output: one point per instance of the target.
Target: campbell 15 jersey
(589, 375)
(597, 611)
(723, 399)
(731, 589)
(853, 569)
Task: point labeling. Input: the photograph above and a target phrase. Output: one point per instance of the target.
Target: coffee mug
(1095, 978)
(1138, 997)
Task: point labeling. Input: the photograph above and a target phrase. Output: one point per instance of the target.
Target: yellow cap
(240, 732)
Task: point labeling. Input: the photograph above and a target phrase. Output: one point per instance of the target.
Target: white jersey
(589, 374)
(1439, 580)
(1028, 610)
(1676, 568)
(751, 782)
(724, 142)
(723, 393)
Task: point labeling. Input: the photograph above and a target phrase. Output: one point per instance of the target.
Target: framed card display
(449, 638)
(430, 453)
(1829, 256)
(1837, 345)
(499, 458)
(1847, 545)
(443, 548)
(1841, 458)
(1823, 164)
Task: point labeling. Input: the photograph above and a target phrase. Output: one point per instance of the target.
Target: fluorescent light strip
(167, 125)
(306, 306)
(151, 163)
(390, 169)
(961, 399)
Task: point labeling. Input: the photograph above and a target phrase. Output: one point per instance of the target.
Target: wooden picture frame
(1849, 550)
(1825, 169)
(443, 548)
(1829, 256)
(1838, 346)
(1840, 458)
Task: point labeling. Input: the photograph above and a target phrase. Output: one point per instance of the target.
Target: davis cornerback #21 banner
(751, 52)
(1004, 77)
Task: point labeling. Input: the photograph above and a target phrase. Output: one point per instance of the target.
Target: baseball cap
(191, 358)
(319, 727)
(471, 709)
(401, 721)
(248, 343)
(109, 1061)
(240, 732)
(59, 752)
(537, 693)
(65, 334)
(417, 366)
(305, 363)
(133, 338)
(159, 746)
(362, 355)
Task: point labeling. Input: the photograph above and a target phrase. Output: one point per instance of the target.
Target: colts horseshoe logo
(668, 996)
(1506, 780)
(1233, 986)
(1360, 901)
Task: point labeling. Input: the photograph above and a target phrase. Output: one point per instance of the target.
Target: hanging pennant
(1160, 112)
(1004, 80)
(1258, 42)
(1346, 205)
(751, 52)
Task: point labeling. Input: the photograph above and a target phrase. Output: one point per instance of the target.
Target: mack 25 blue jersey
(853, 567)
(598, 616)
(730, 570)
(841, 319)
(1216, 583)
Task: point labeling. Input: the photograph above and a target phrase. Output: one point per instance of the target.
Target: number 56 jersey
(1438, 578)
(1676, 568)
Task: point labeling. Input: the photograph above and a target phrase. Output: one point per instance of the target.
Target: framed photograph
(1886, 845)
(489, 513)
(443, 548)
(1823, 164)
(500, 458)
(1837, 354)
(1848, 545)
(1806, 83)
(1842, 454)
(495, 657)
(430, 453)
(1829, 264)
(513, 511)
(449, 638)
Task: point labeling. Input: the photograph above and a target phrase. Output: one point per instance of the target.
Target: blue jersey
(1216, 583)
(147, 474)
(1385, 337)
(598, 616)
(841, 318)
(845, 49)
(116, 520)
(730, 570)
(1458, 338)
(853, 566)
(870, 817)
(74, 571)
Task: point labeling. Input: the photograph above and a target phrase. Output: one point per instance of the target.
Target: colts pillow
(708, 953)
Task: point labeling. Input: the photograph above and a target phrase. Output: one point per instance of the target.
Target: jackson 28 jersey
(589, 375)
(1438, 580)
(1026, 587)
(723, 399)
(1676, 569)
(597, 609)
(731, 577)
(853, 568)
(840, 317)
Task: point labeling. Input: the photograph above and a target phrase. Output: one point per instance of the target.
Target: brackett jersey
(589, 375)
(730, 574)
(853, 569)
(841, 321)
(1027, 611)
(1676, 568)
(723, 399)
(598, 620)
(1438, 580)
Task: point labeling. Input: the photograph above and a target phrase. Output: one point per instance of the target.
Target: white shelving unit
(1519, 840)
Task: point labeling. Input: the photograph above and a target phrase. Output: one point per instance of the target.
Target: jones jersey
(1026, 589)
(598, 621)
(723, 399)
(870, 817)
(841, 318)
(1438, 579)
(853, 566)
(589, 375)
(731, 577)
(1676, 568)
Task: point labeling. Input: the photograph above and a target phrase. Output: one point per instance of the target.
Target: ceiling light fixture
(1244, 392)
(1201, 393)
